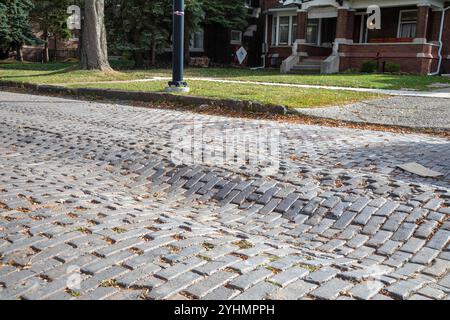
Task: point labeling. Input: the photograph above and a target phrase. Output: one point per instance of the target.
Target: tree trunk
(55, 54)
(19, 55)
(46, 57)
(94, 51)
(153, 58)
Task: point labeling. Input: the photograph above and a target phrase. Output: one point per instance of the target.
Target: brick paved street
(88, 193)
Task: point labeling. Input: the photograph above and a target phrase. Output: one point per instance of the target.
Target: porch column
(423, 15)
(350, 25)
(345, 25)
(434, 26)
(302, 23)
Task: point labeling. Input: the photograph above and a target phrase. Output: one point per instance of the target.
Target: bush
(392, 67)
(369, 67)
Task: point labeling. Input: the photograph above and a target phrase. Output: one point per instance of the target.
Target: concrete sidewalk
(399, 111)
(404, 93)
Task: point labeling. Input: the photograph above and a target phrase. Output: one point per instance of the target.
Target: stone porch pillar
(345, 25)
(423, 16)
(302, 24)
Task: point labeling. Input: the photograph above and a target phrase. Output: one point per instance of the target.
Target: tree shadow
(52, 70)
(37, 66)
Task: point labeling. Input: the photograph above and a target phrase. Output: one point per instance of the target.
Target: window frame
(276, 30)
(236, 42)
(273, 40)
(319, 31)
(192, 42)
(294, 27)
(401, 23)
(284, 25)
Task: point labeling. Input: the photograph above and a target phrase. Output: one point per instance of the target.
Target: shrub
(392, 67)
(369, 67)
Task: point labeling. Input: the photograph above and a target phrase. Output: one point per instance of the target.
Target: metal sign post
(177, 84)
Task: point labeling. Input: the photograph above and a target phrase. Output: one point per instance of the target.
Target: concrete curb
(232, 105)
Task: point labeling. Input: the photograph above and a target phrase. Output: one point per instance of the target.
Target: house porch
(338, 35)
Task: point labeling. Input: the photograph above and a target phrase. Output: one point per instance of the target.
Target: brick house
(330, 36)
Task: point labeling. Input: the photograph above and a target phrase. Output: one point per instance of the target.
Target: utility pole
(178, 84)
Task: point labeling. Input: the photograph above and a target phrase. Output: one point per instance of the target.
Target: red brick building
(331, 36)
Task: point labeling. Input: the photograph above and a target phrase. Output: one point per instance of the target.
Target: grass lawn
(289, 97)
(372, 81)
(55, 73)
(58, 73)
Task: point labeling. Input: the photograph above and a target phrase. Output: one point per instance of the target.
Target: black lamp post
(178, 84)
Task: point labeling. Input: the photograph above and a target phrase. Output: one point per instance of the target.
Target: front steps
(308, 66)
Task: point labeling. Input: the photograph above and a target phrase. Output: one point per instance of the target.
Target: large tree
(227, 13)
(51, 19)
(15, 29)
(94, 49)
(138, 27)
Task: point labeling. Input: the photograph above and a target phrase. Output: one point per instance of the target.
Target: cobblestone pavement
(91, 207)
(399, 111)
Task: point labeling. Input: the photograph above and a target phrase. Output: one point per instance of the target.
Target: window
(236, 37)
(312, 31)
(294, 29)
(283, 31)
(407, 24)
(197, 41)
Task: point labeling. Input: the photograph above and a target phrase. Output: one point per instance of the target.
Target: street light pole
(178, 84)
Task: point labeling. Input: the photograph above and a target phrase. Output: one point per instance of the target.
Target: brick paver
(92, 207)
